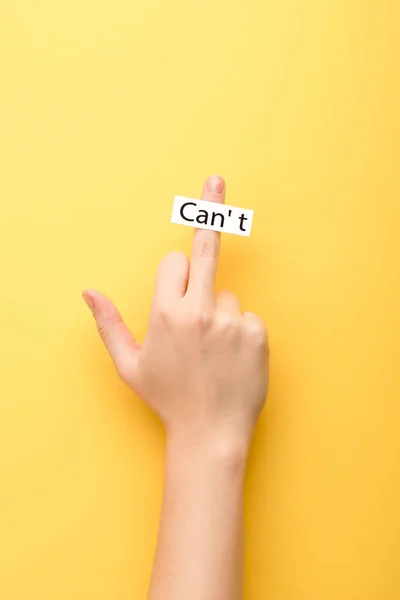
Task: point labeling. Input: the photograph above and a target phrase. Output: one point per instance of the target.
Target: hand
(203, 367)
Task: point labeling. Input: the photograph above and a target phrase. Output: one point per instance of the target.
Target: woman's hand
(203, 367)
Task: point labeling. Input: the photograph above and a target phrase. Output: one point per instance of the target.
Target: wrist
(215, 452)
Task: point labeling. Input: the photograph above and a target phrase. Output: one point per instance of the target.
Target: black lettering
(203, 216)
(241, 219)
(218, 215)
(181, 211)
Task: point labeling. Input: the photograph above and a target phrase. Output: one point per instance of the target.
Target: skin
(203, 369)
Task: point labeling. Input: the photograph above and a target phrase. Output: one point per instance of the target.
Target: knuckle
(227, 323)
(201, 319)
(257, 331)
(163, 313)
(103, 329)
(207, 248)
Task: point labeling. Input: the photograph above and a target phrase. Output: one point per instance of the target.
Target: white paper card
(203, 214)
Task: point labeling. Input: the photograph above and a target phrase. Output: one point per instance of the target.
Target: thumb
(120, 343)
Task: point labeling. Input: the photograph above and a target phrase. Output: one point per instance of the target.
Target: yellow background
(108, 109)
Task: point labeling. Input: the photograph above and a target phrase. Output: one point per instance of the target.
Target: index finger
(206, 248)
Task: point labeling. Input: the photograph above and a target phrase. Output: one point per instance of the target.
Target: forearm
(200, 545)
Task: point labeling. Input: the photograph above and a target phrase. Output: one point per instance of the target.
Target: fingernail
(216, 184)
(89, 301)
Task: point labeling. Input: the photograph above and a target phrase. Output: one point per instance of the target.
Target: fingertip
(215, 184)
(89, 299)
(214, 189)
(96, 297)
